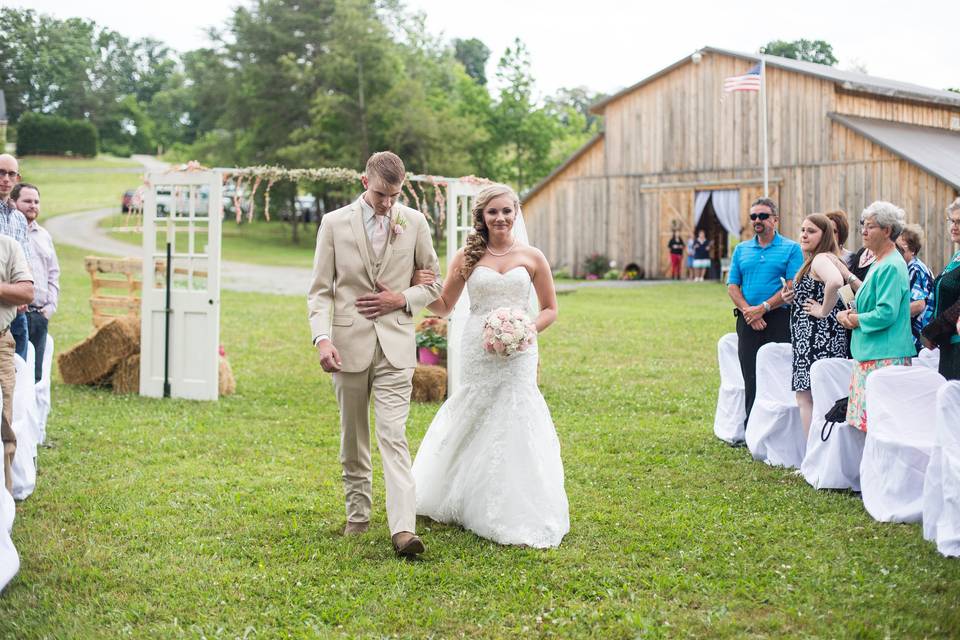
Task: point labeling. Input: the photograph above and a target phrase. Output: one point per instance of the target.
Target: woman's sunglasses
(759, 216)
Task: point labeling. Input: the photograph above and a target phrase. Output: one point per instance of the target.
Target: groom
(361, 309)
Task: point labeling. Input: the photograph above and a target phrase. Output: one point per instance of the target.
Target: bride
(490, 460)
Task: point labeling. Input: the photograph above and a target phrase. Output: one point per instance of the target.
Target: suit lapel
(363, 244)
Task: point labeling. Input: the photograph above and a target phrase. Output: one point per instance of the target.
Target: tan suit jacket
(344, 268)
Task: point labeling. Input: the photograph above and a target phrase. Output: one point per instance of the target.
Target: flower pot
(425, 355)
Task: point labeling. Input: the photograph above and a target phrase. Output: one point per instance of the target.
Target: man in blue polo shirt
(754, 286)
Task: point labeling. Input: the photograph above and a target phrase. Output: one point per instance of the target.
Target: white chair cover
(43, 390)
(9, 559)
(834, 464)
(941, 488)
(927, 358)
(901, 415)
(774, 433)
(731, 412)
(25, 426)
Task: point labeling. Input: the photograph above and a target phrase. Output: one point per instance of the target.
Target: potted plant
(432, 341)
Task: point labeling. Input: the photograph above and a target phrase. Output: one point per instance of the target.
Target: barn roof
(932, 149)
(849, 80)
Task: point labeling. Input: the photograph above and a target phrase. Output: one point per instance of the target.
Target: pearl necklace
(500, 255)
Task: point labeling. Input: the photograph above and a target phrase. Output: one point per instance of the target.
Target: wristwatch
(766, 306)
(851, 278)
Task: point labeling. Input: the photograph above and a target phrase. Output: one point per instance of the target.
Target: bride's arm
(546, 294)
(452, 288)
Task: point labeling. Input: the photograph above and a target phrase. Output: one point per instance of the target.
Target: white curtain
(726, 204)
(699, 204)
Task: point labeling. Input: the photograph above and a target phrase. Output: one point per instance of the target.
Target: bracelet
(766, 306)
(851, 278)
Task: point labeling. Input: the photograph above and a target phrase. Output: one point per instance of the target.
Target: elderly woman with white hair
(944, 330)
(881, 320)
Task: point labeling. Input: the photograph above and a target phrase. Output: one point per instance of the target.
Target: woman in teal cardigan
(943, 329)
(881, 322)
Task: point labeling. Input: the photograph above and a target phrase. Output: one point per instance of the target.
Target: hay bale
(126, 377)
(94, 359)
(429, 384)
(226, 383)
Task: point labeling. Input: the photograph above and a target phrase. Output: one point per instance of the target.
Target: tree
(473, 55)
(817, 51)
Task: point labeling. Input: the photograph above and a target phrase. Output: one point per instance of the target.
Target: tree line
(298, 83)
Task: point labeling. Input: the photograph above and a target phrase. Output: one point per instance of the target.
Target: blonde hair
(388, 166)
(478, 238)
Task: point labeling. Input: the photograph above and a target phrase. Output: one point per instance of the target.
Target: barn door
(182, 210)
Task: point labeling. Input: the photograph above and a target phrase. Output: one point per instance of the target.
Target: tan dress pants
(8, 379)
(390, 388)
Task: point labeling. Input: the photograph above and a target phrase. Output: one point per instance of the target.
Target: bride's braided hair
(478, 238)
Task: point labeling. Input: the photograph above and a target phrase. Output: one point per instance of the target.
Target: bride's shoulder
(530, 251)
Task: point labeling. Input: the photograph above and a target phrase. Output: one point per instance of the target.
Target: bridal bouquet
(507, 331)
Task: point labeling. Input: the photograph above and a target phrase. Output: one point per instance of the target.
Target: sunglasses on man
(8, 174)
(760, 216)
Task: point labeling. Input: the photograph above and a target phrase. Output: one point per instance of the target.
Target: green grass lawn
(185, 519)
(79, 184)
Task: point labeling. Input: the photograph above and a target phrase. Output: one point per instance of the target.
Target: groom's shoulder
(412, 214)
(341, 213)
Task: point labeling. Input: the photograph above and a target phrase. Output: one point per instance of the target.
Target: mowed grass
(171, 519)
(78, 184)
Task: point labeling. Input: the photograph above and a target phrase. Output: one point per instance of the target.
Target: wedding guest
(841, 231)
(46, 271)
(14, 224)
(690, 272)
(921, 280)
(881, 322)
(944, 328)
(814, 329)
(16, 288)
(756, 268)
(676, 247)
(701, 255)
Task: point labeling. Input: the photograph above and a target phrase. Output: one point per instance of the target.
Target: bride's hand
(423, 276)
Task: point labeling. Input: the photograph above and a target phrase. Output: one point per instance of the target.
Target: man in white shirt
(46, 271)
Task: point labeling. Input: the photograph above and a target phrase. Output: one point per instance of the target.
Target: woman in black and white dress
(814, 329)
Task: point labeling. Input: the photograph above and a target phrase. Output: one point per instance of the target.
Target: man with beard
(754, 287)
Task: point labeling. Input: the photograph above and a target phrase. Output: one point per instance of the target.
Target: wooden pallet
(116, 288)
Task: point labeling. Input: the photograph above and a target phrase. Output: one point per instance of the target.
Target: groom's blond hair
(387, 166)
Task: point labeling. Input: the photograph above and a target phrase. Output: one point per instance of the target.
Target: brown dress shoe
(407, 544)
(355, 528)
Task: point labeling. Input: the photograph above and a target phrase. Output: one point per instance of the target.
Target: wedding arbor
(182, 247)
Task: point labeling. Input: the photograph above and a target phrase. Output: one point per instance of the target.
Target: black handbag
(836, 415)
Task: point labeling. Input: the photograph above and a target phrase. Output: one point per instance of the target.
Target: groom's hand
(329, 358)
(383, 301)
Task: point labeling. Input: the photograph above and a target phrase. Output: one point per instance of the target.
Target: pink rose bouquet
(507, 331)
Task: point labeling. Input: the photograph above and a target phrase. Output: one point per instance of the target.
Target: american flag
(750, 81)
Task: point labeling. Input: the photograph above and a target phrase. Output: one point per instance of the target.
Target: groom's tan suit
(378, 355)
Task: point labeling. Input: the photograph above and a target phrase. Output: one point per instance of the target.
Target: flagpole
(763, 124)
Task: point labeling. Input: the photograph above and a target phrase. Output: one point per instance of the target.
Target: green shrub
(611, 274)
(56, 136)
(562, 273)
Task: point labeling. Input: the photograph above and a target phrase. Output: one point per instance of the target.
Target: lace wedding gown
(490, 460)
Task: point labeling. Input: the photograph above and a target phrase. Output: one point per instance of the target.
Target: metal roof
(934, 150)
(849, 80)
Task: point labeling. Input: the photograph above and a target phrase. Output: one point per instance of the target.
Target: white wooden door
(184, 209)
(460, 199)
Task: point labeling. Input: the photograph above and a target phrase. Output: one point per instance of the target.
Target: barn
(678, 153)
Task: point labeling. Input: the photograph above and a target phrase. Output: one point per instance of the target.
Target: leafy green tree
(473, 55)
(817, 51)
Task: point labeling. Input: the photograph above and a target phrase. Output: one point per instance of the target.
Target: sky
(606, 45)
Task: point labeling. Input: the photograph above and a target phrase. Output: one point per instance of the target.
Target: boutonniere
(399, 225)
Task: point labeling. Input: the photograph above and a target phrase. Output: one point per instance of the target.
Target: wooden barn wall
(675, 135)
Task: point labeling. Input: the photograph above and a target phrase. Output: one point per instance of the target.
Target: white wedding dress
(490, 460)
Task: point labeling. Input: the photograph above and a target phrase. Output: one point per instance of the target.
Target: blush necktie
(379, 237)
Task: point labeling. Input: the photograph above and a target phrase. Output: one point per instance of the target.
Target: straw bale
(126, 377)
(93, 360)
(429, 384)
(226, 383)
